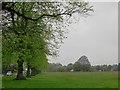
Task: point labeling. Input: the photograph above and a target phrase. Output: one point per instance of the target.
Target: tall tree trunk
(20, 70)
(28, 70)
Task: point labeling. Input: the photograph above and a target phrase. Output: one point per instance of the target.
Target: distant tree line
(57, 67)
(81, 65)
(113, 67)
(77, 67)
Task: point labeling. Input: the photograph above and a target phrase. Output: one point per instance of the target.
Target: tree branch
(29, 18)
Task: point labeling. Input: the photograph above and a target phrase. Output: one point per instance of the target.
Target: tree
(51, 67)
(28, 22)
(86, 67)
(55, 67)
(77, 66)
(109, 67)
(69, 67)
(61, 69)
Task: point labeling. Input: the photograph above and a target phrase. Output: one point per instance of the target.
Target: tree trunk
(20, 70)
(28, 70)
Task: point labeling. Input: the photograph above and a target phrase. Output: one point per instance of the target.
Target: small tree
(69, 67)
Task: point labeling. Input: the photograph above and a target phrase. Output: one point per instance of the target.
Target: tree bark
(28, 70)
(20, 70)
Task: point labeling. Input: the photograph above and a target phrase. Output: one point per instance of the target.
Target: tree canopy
(34, 30)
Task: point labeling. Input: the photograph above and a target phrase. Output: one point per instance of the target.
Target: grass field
(0, 81)
(65, 80)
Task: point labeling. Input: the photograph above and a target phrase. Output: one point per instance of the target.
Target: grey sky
(95, 36)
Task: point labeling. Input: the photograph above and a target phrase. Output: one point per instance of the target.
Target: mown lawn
(65, 80)
(0, 81)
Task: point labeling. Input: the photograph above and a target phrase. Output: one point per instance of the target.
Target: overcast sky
(95, 36)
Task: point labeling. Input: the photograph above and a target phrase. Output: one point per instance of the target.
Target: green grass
(0, 81)
(65, 80)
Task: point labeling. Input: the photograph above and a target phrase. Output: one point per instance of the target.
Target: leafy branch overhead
(46, 9)
(45, 16)
(34, 30)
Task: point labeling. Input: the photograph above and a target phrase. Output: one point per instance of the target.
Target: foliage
(113, 67)
(77, 67)
(33, 30)
(69, 67)
(55, 67)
